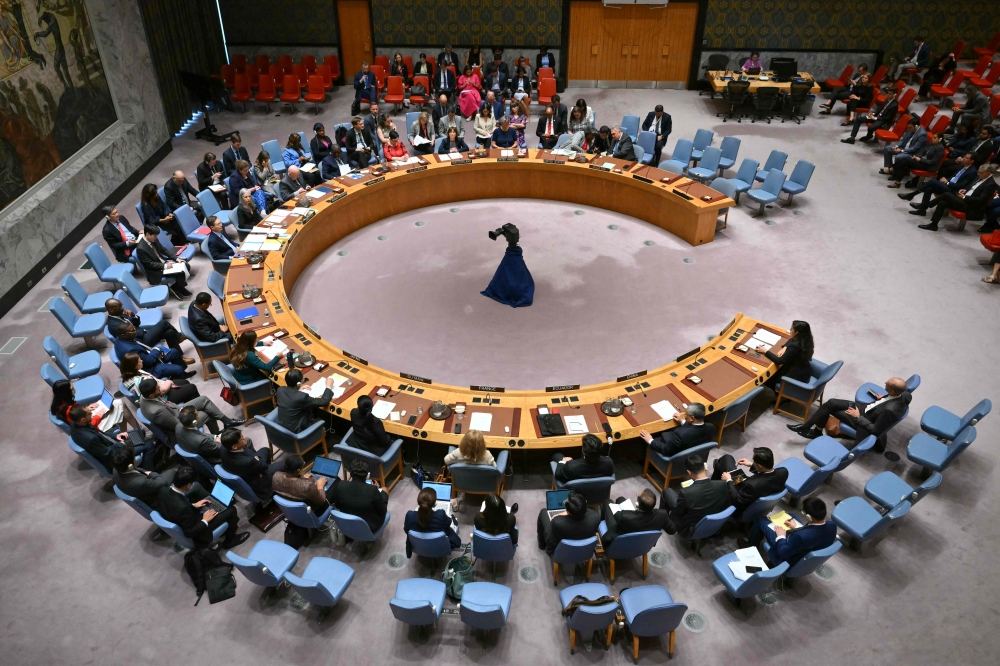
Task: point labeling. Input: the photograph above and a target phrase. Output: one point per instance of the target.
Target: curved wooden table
(726, 373)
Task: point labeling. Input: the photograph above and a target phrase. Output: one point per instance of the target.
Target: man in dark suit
(360, 144)
(545, 59)
(370, 121)
(763, 480)
(203, 323)
(219, 245)
(155, 258)
(150, 335)
(549, 129)
(239, 457)
(98, 443)
(963, 177)
(645, 518)
(120, 236)
(791, 545)
(918, 59)
(976, 110)
(190, 437)
(913, 139)
(622, 148)
(447, 57)
(591, 466)
(871, 419)
(179, 192)
(691, 432)
(180, 503)
(135, 481)
(365, 88)
(878, 117)
(495, 76)
(444, 81)
(296, 409)
(155, 361)
(234, 152)
(972, 201)
(577, 522)
(361, 499)
(292, 184)
(439, 110)
(560, 111)
(660, 124)
(699, 497)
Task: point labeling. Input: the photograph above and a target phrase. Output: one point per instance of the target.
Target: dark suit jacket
(288, 187)
(295, 407)
(756, 486)
(177, 195)
(561, 112)
(449, 82)
(628, 522)
(142, 485)
(438, 112)
(439, 522)
(981, 152)
(203, 173)
(581, 469)
(911, 142)
(195, 441)
(539, 63)
(798, 543)
(96, 443)
(358, 498)
(975, 205)
(792, 363)
(565, 527)
(702, 498)
(230, 156)
(352, 141)
(460, 145)
(965, 179)
(247, 220)
(624, 150)
(558, 126)
(369, 434)
(237, 183)
(321, 149)
(204, 324)
(488, 76)
(178, 509)
(877, 420)
(150, 355)
(218, 248)
(683, 437)
(113, 237)
(363, 81)
(153, 259)
(247, 465)
(454, 60)
(666, 123)
(887, 111)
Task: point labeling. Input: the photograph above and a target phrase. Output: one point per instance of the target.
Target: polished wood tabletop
(718, 81)
(715, 374)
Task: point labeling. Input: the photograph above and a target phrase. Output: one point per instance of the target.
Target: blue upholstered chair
(594, 490)
(751, 587)
(88, 390)
(147, 317)
(744, 177)
(59, 423)
(887, 490)
(485, 605)
(138, 212)
(769, 191)
(803, 479)
(288, 441)
(241, 487)
(210, 206)
(175, 532)
(113, 357)
(809, 562)
(709, 526)
(189, 224)
(702, 140)
(299, 513)
(650, 610)
(87, 326)
(630, 126)
(305, 145)
(250, 394)
(726, 187)
(862, 397)
(84, 302)
(775, 162)
(665, 466)
(357, 529)
(217, 285)
(430, 544)
(737, 411)
(628, 547)
(267, 563)
(639, 152)
(761, 507)
(207, 351)
(493, 548)
(219, 265)
(196, 462)
(680, 158)
(708, 167)
(91, 460)
(418, 601)
(162, 193)
(138, 505)
(730, 149)
(323, 582)
(935, 455)
(563, 140)
(823, 449)
(128, 394)
(646, 141)
(274, 152)
(379, 466)
(150, 297)
(863, 522)
(479, 479)
(77, 366)
(588, 619)
(806, 393)
(106, 271)
(941, 423)
(573, 552)
(799, 180)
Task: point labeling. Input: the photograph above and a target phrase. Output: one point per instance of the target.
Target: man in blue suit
(235, 152)
(913, 139)
(365, 87)
(444, 82)
(159, 363)
(960, 181)
(791, 545)
(660, 124)
(219, 246)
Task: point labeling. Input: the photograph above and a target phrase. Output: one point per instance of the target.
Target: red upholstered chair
(300, 71)
(240, 63)
(478, 72)
(324, 71)
(420, 79)
(277, 76)
(890, 136)
(842, 81)
(905, 99)
(879, 75)
(290, 91)
(995, 106)
(980, 67)
(880, 97)
(383, 62)
(263, 63)
(991, 241)
(958, 49)
(545, 73)
(309, 62)
(432, 61)
(265, 90)
(960, 216)
(228, 75)
(990, 48)
(940, 125)
(949, 90)
(241, 93)
(920, 174)
(316, 92)
(394, 92)
(286, 64)
(333, 62)
(986, 82)
(546, 89)
(927, 116)
(380, 76)
(253, 76)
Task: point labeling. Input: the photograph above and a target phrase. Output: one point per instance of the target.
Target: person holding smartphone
(872, 419)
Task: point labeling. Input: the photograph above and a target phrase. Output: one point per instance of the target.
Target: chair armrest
(253, 385)
(311, 430)
(501, 461)
(392, 451)
(802, 385)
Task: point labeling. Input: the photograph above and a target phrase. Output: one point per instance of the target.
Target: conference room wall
(38, 229)
(821, 64)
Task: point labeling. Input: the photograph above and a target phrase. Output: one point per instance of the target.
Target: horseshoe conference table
(715, 374)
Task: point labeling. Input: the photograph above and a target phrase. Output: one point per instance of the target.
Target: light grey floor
(82, 582)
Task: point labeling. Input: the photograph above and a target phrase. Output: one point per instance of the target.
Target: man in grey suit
(622, 148)
(913, 139)
(292, 184)
(975, 110)
(193, 440)
(135, 481)
(165, 414)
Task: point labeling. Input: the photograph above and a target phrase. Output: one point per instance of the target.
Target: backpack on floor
(296, 536)
(209, 573)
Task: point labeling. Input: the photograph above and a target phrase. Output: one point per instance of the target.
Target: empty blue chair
(665, 465)
(74, 367)
(299, 513)
(84, 302)
(863, 522)
(106, 271)
(806, 393)
(769, 191)
(87, 390)
(650, 610)
(274, 152)
(138, 505)
(803, 479)
(646, 141)
(639, 152)
(189, 250)
(478, 479)
(323, 582)
(138, 211)
(251, 394)
(799, 180)
(147, 317)
(91, 460)
(174, 530)
(630, 126)
(573, 552)
(730, 149)
(217, 285)
(241, 487)
(628, 547)
(726, 187)
(824, 449)
(493, 548)
(887, 490)
(809, 562)
(702, 140)
(709, 526)
(588, 619)
(485, 605)
(751, 587)
(935, 455)
(379, 466)
(738, 410)
(775, 162)
(356, 528)
(210, 205)
(196, 462)
(942, 424)
(761, 507)
(418, 601)
(84, 327)
(430, 544)
(189, 224)
(594, 490)
(267, 563)
(863, 397)
(162, 193)
(744, 177)
(207, 351)
(708, 166)
(150, 297)
(680, 158)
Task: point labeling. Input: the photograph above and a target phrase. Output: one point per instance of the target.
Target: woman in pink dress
(469, 98)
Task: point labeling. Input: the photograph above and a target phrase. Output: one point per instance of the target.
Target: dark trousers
(163, 331)
(184, 391)
(836, 408)
(360, 159)
(875, 125)
(173, 229)
(228, 516)
(948, 200)
(544, 527)
(658, 149)
(668, 500)
(929, 189)
(726, 463)
(760, 531)
(992, 217)
(611, 521)
(902, 166)
(839, 95)
(549, 142)
(931, 78)
(170, 365)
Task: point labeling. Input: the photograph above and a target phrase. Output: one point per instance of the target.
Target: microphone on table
(638, 385)
(401, 389)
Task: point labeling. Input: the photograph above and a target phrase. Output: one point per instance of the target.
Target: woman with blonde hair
(471, 451)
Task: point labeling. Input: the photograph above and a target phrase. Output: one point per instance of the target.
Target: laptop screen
(107, 399)
(222, 492)
(327, 467)
(443, 491)
(554, 499)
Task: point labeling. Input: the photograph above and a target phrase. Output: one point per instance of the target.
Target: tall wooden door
(355, 36)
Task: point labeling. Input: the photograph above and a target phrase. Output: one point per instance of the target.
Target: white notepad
(308, 167)
(481, 421)
(445, 156)
(624, 506)
(575, 425)
(767, 337)
(382, 408)
(664, 409)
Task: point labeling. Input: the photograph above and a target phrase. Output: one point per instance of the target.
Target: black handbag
(418, 90)
(551, 425)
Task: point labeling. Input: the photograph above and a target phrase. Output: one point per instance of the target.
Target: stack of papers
(481, 421)
(782, 517)
(308, 167)
(270, 245)
(447, 157)
(762, 338)
(382, 408)
(419, 141)
(624, 506)
(748, 557)
(561, 151)
(217, 188)
(575, 425)
(608, 165)
(506, 153)
(664, 409)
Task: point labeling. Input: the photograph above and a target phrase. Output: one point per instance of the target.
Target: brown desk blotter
(243, 274)
(509, 417)
(591, 412)
(646, 414)
(257, 322)
(719, 378)
(760, 359)
(405, 401)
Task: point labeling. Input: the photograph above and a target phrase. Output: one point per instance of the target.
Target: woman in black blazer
(793, 360)
(247, 215)
(428, 519)
(453, 142)
(496, 520)
(369, 433)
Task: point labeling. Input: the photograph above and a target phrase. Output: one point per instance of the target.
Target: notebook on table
(221, 497)
(443, 491)
(554, 500)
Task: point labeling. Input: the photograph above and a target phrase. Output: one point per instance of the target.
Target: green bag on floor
(458, 573)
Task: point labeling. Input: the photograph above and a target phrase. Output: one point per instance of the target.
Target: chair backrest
(813, 560)
(285, 62)
(736, 92)
(159, 433)
(242, 85)
(748, 169)
(730, 147)
(775, 161)
(594, 490)
(927, 116)
(846, 74)
(630, 125)
(492, 548)
(802, 172)
(965, 437)
(217, 284)
(291, 85)
(416, 612)
(298, 513)
(672, 167)
(958, 49)
(50, 374)
(58, 422)
(761, 507)
(736, 409)
(904, 101)
(253, 75)
(703, 139)
(199, 464)
(546, 87)
(237, 483)
(437, 143)
(228, 73)
(72, 288)
(976, 414)
(353, 527)
(573, 551)
(712, 523)
(879, 75)
(273, 151)
(265, 85)
(326, 74)
(127, 393)
(883, 525)
(64, 313)
(994, 74)
(981, 66)
(56, 353)
(162, 193)
(382, 61)
(379, 75)
(956, 80)
(819, 476)
(827, 373)
(718, 62)
(647, 140)
(254, 570)
(187, 219)
(929, 484)
(395, 85)
(724, 186)
(422, 80)
(710, 159)
(657, 620)
(545, 73)
(633, 544)
(263, 61)
(173, 529)
(333, 62)
(430, 544)
(113, 356)
(140, 507)
(97, 258)
(411, 117)
(309, 62)
(639, 151)
(682, 151)
(475, 478)
(775, 179)
(94, 462)
(563, 140)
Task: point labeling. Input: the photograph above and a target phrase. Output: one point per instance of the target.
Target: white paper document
(269, 351)
(382, 408)
(250, 247)
(300, 211)
(575, 425)
(481, 421)
(419, 141)
(608, 165)
(561, 151)
(664, 409)
(506, 153)
(315, 194)
(445, 156)
(176, 269)
(748, 557)
(308, 167)
(755, 342)
(217, 188)
(270, 246)
(767, 337)
(624, 506)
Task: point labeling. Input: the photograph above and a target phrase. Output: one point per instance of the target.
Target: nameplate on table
(415, 378)
(642, 178)
(548, 161)
(415, 169)
(599, 167)
(682, 195)
(375, 180)
(465, 161)
(562, 388)
(355, 358)
(487, 389)
(625, 378)
(336, 197)
(313, 331)
(506, 159)
(689, 354)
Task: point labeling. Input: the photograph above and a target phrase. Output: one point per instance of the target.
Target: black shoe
(911, 183)
(922, 212)
(187, 375)
(929, 227)
(796, 428)
(812, 433)
(866, 139)
(908, 196)
(237, 539)
(233, 423)
(849, 139)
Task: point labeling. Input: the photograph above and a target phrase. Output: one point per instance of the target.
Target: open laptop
(443, 491)
(326, 467)
(221, 497)
(554, 500)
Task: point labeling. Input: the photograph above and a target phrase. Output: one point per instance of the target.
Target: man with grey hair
(292, 184)
(622, 147)
(972, 201)
(179, 192)
(690, 431)
(975, 110)
(871, 419)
